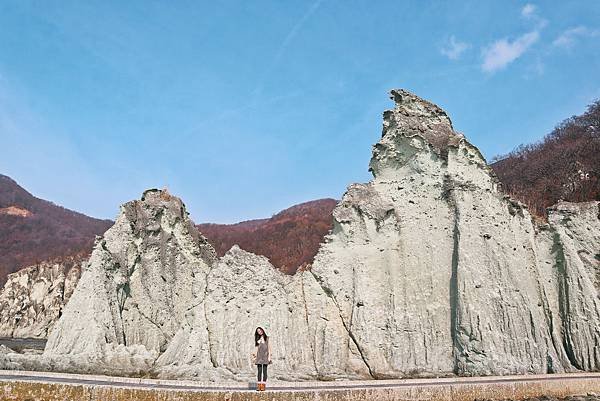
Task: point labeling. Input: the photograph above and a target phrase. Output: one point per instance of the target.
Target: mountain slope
(290, 239)
(564, 165)
(33, 230)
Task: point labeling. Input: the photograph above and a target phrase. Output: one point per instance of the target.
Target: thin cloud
(296, 28)
(503, 52)
(530, 13)
(228, 113)
(287, 41)
(535, 69)
(528, 10)
(570, 36)
(454, 48)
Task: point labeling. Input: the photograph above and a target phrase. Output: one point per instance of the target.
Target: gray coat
(263, 356)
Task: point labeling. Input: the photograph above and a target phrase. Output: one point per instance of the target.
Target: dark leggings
(262, 373)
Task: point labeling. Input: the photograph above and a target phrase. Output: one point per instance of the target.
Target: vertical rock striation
(33, 298)
(569, 259)
(140, 282)
(435, 272)
(246, 289)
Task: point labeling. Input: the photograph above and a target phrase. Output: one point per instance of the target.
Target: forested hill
(565, 164)
(34, 230)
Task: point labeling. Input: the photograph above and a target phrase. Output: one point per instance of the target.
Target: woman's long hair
(258, 336)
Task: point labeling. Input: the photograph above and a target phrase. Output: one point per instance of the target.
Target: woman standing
(262, 356)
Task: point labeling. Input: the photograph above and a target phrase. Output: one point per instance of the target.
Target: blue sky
(243, 108)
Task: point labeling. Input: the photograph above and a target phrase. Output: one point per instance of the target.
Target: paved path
(178, 385)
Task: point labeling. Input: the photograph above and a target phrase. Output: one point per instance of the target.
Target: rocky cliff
(434, 271)
(429, 270)
(33, 298)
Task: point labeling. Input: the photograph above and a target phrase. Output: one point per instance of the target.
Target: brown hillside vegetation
(290, 239)
(33, 230)
(564, 165)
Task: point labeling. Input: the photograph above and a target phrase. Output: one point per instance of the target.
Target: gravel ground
(19, 344)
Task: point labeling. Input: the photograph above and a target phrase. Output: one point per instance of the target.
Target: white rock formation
(33, 298)
(142, 278)
(569, 263)
(429, 270)
(245, 291)
(435, 272)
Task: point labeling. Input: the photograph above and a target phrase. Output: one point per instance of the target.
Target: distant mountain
(34, 230)
(290, 239)
(564, 165)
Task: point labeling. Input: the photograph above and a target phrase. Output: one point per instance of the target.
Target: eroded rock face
(435, 272)
(429, 270)
(569, 260)
(33, 298)
(141, 280)
(245, 291)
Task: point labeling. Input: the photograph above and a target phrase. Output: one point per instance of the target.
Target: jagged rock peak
(145, 272)
(159, 199)
(154, 208)
(411, 105)
(159, 210)
(418, 127)
(415, 116)
(159, 194)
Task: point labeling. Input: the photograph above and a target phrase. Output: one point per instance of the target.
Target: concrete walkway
(21, 385)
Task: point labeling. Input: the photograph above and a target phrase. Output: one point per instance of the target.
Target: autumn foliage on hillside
(564, 165)
(33, 230)
(290, 239)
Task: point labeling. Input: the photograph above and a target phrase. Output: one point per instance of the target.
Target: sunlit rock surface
(33, 298)
(434, 271)
(142, 278)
